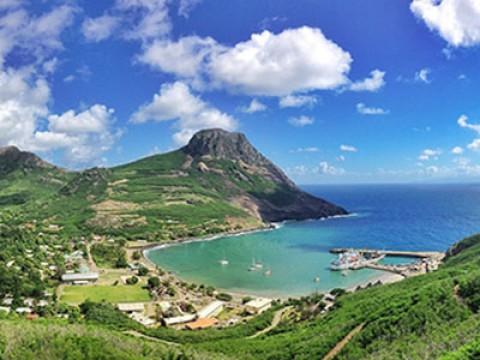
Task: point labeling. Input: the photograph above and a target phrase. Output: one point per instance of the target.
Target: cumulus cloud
(297, 101)
(301, 121)
(348, 148)
(39, 35)
(100, 28)
(25, 118)
(429, 154)
(185, 58)
(254, 106)
(373, 83)
(83, 136)
(456, 21)
(175, 101)
(368, 110)
(457, 150)
(294, 60)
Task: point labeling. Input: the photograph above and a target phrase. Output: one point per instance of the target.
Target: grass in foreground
(75, 295)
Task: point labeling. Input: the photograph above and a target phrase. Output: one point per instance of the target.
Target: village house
(258, 306)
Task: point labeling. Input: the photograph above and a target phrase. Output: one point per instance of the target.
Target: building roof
(258, 303)
(210, 309)
(179, 319)
(201, 323)
(126, 307)
(80, 277)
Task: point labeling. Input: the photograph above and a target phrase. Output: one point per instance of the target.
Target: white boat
(224, 262)
(316, 279)
(268, 272)
(352, 260)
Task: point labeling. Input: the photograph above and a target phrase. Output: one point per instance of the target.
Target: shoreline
(385, 277)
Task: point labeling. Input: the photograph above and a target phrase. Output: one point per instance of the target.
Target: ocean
(394, 217)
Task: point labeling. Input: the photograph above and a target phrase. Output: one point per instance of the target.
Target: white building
(131, 307)
(142, 319)
(211, 310)
(257, 306)
(179, 319)
(80, 278)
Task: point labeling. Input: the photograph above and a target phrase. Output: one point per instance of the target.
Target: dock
(414, 254)
(427, 260)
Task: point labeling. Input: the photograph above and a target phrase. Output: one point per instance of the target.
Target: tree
(142, 271)
(136, 255)
(132, 280)
(153, 282)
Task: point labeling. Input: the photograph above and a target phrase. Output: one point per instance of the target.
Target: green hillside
(218, 183)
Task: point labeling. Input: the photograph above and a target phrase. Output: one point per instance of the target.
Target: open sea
(394, 217)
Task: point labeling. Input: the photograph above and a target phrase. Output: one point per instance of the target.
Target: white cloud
(423, 76)
(474, 145)
(348, 148)
(254, 106)
(83, 136)
(325, 168)
(8, 4)
(309, 149)
(294, 60)
(176, 102)
(38, 35)
(429, 154)
(368, 110)
(301, 121)
(340, 158)
(463, 122)
(100, 28)
(457, 150)
(148, 19)
(457, 21)
(186, 6)
(373, 83)
(185, 58)
(297, 101)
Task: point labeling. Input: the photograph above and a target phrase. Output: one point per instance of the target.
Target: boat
(353, 260)
(316, 279)
(255, 266)
(224, 262)
(268, 272)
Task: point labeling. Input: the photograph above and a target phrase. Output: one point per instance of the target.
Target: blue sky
(332, 91)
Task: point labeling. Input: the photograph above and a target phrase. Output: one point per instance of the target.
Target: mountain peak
(12, 158)
(222, 144)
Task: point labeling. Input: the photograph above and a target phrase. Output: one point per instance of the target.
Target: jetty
(427, 260)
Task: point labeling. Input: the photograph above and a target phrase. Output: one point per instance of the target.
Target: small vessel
(352, 260)
(255, 266)
(316, 279)
(268, 272)
(224, 262)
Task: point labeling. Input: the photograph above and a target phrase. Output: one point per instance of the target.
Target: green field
(114, 294)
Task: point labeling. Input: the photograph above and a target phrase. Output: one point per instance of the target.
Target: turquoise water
(406, 217)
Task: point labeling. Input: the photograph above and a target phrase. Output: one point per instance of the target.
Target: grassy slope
(75, 295)
(58, 340)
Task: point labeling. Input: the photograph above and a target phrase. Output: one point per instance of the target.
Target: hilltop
(217, 183)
